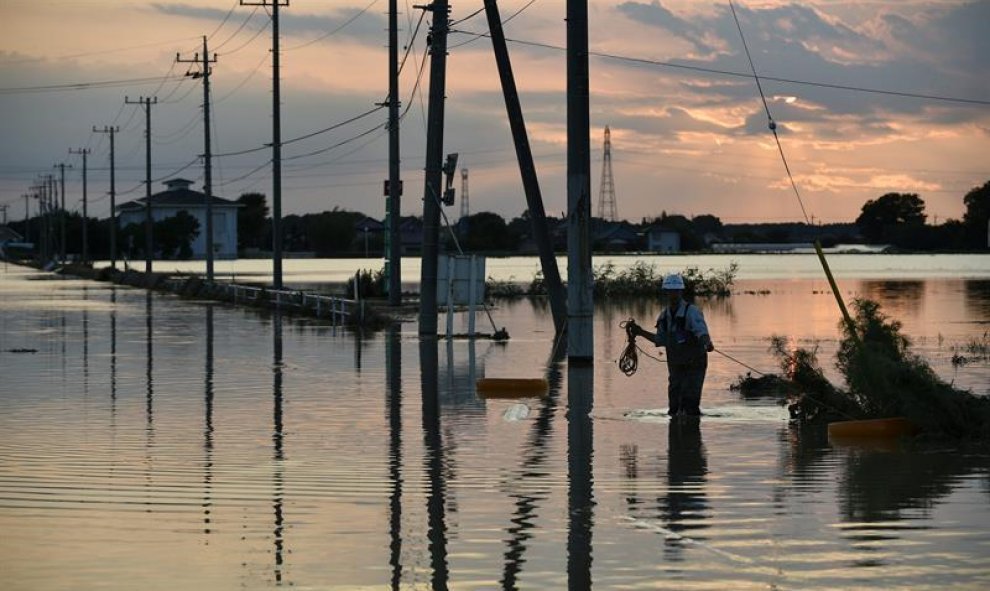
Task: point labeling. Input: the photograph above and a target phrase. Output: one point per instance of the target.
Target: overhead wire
(76, 86)
(244, 81)
(705, 70)
(257, 33)
(225, 19)
(335, 30)
(770, 122)
(239, 29)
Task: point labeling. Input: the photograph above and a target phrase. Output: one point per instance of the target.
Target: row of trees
(894, 218)
(900, 219)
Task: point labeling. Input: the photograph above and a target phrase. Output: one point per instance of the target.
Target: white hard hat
(673, 281)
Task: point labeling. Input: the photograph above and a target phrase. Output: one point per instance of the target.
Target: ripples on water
(159, 443)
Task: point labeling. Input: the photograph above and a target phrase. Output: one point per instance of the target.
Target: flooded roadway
(163, 443)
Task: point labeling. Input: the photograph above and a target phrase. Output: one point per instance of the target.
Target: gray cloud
(798, 42)
(369, 25)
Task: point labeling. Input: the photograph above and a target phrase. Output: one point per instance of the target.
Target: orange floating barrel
(874, 428)
(512, 387)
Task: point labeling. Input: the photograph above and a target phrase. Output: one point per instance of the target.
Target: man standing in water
(682, 331)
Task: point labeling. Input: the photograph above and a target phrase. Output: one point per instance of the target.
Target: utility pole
(112, 131)
(434, 169)
(580, 303)
(27, 217)
(149, 242)
(4, 208)
(53, 210)
(85, 211)
(276, 143)
(527, 170)
(39, 194)
(61, 166)
(204, 73)
(393, 208)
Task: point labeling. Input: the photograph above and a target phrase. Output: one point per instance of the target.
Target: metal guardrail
(338, 309)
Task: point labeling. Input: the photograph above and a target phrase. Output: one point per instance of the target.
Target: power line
(239, 29)
(6, 62)
(257, 34)
(704, 70)
(75, 86)
(225, 19)
(334, 31)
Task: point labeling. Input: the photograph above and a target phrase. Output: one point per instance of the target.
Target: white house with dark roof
(179, 197)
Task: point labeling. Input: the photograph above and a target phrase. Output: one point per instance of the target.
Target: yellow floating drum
(892, 428)
(512, 387)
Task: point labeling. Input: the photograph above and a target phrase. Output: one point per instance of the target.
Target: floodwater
(153, 442)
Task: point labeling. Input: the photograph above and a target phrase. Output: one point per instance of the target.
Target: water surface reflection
(203, 451)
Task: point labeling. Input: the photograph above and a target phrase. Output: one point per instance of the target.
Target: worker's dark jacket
(683, 334)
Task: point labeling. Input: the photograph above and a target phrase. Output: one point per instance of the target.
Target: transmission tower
(606, 194)
(465, 200)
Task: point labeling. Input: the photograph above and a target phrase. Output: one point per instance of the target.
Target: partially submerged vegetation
(973, 351)
(641, 279)
(884, 378)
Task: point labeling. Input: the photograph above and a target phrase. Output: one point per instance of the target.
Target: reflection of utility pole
(149, 243)
(111, 130)
(276, 143)
(85, 227)
(204, 73)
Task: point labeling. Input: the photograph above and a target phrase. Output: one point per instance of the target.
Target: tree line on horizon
(896, 219)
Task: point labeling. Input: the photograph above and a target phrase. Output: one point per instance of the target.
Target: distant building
(662, 240)
(179, 197)
(615, 237)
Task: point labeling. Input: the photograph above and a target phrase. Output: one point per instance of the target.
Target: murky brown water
(159, 443)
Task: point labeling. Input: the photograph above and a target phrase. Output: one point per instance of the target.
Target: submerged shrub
(883, 379)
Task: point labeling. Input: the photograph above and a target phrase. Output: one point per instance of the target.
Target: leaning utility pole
(434, 169)
(580, 303)
(85, 213)
(276, 144)
(112, 131)
(149, 242)
(527, 170)
(61, 166)
(207, 156)
(393, 209)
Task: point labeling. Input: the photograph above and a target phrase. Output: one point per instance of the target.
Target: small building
(615, 237)
(179, 197)
(662, 240)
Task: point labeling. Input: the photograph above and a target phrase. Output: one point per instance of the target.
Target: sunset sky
(684, 141)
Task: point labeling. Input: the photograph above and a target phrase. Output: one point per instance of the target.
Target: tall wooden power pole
(61, 166)
(204, 73)
(112, 131)
(85, 211)
(433, 188)
(393, 209)
(580, 302)
(149, 241)
(276, 143)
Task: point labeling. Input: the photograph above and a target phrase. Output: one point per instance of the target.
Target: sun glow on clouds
(856, 144)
